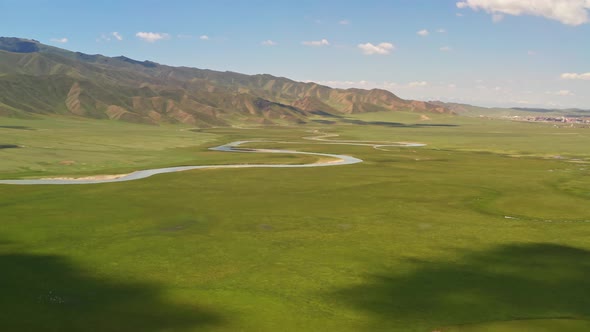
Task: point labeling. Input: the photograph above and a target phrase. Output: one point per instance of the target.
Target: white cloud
(417, 84)
(152, 37)
(441, 30)
(564, 93)
(344, 22)
(59, 40)
(269, 42)
(381, 48)
(446, 49)
(107, 37)
(423, 33)
(570, 12)
(204, 37)
(531, 53)
(459, 15)
(576, 76)
(323, 42)
(102, 38)
(452, 86)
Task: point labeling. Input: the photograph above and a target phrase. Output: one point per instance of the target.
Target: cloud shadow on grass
(383, 123)
(509, 282)
(397, 124)
(49, 293)
(17, 127)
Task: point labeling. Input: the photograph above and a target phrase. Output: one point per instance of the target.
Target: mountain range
(41, 79)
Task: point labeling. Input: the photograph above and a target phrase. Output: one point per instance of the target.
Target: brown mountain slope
(35, 78)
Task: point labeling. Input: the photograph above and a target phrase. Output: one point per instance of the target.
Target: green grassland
(78, 147)
(483, 229)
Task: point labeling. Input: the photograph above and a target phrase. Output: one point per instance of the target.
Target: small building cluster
(559, 119)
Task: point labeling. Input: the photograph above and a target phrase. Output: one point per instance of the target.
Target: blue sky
(485, 52)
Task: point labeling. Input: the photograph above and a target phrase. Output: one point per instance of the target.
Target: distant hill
(568, 112)
(41, 79)
(471, 110)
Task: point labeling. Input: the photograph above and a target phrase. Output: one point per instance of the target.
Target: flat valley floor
(486, 228)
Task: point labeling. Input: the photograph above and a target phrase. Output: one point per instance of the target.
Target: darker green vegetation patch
(397, 124)
(18, 45)
(9, 146)
(383, 123)
(533, 280)
(59, 296)
(16, 127)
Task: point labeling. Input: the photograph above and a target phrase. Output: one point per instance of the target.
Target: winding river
(230, 147)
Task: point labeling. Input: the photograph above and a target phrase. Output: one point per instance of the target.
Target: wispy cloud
(417, 84)
(497, 18)
(346, 84)
(344, 22)
(576, 76)
(108, 37)
(59, 40)
(446, 49)
(441, 30)
(152, 37)
(531, 53)
(204, 37)
(423, 33)
(323, 42)
(562, 93)
(269, 42)
(570, 12)
(381, 48)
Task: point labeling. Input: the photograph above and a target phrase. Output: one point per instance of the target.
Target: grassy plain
(77, 147)
(484, 229)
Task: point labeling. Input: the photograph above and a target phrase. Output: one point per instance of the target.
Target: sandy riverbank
(92, 177)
